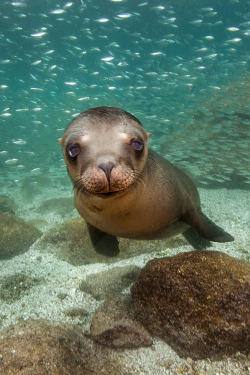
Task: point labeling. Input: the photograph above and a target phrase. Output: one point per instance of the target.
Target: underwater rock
(16, 235)
(221, 123)
(7, 204)
(62, 206)
(42, 347)
(70, 242)
(113, 326)
(15, 286)
(111, 281)
(39, 223)
(198, 302)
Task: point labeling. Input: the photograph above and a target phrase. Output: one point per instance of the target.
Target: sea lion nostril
(107, 168)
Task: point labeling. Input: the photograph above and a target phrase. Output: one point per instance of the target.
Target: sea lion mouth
(108, 194)
(78, 185)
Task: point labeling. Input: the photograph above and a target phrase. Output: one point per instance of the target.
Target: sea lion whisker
(79, 186)
(138, 177)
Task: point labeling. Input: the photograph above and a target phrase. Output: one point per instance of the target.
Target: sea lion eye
(73, 151)
(137, 144)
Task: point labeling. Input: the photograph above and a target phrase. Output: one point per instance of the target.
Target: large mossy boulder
(198, 302)
(16, 235)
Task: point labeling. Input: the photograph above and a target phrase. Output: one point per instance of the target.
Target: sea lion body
(125, 189)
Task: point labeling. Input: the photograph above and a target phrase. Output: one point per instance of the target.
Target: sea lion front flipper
(104, 243)
(205, 227)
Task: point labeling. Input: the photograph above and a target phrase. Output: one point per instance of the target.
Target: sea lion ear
(60, 140)
(149, 135)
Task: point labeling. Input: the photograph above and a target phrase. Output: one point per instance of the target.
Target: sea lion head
(105, 149)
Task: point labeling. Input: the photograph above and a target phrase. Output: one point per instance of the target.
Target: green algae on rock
(15, 286)
(7, 204)
(76, 311)
(16, 235)
(198, 302)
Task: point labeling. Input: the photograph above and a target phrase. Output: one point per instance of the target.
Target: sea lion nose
(107, 168)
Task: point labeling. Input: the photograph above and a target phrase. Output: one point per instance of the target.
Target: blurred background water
(181, 67)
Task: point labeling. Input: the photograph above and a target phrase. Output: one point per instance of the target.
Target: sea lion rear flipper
(104, 243)
(206, 228)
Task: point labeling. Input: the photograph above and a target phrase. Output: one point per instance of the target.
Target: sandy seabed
(228, 208)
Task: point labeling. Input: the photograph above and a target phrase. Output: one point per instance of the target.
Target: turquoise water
(181, 67)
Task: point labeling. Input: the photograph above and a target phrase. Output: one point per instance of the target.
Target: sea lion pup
(125, 189)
